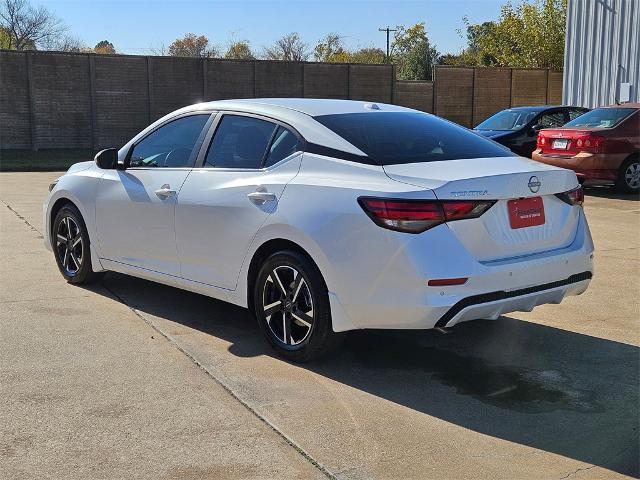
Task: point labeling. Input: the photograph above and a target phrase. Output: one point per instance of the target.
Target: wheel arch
(263, 252)
(55, 208)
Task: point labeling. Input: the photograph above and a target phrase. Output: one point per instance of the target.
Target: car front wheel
(292, 307)
(70, 242)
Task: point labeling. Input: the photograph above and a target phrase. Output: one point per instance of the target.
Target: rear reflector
(572, 197)
(416, 216)
(444, 282)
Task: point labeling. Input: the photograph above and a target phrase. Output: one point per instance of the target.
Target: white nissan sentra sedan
(324, 216)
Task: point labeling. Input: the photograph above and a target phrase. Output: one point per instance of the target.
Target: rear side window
(390, 138)
(575, 113)
(601, 118)
(285, 143)
(171, 145)
(551, 119)
(239, 142)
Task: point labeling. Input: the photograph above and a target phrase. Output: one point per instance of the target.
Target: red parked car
(601, 146)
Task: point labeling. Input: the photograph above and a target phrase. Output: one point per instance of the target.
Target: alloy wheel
(288, 305)
(69, 245)
(632, 175)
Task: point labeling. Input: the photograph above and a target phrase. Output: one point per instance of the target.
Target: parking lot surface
(130, 379)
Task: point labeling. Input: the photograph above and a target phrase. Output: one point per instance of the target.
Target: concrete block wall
(470, 95)
(414, 94)
(65, 100)
(15, 110)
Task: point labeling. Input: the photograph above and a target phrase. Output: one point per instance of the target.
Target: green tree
(412, 53)
(328, 48)
(239, 50)
(530, 34)
(104, 47)
(367, 55)
(192, 46)
(5, 38)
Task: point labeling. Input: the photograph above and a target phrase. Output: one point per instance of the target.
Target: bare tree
(159, 51)
(29, 27)
(290, 47)
(65, 43)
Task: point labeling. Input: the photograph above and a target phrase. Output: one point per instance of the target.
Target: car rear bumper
(493, 288)
(492, 305)
(588, 166)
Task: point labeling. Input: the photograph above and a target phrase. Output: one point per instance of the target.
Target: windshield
(507, 120)
(601, 118)
(390, 138)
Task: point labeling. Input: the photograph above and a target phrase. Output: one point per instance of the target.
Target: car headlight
(53, 184)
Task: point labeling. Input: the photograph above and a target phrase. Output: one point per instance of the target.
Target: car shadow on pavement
(547, 388)
(610, 192)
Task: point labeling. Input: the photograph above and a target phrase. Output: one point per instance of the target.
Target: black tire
(627, 181)
(291, 332)
(74, 263)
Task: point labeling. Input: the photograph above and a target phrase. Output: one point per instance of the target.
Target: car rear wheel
(292, 307)
(70, 242)
(629, 175)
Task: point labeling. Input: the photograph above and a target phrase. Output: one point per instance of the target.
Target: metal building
(602, 53)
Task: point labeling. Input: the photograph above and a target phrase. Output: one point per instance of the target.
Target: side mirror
(107, 159)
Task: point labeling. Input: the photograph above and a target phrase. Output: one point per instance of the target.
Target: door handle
(260, 198)
(165, 192)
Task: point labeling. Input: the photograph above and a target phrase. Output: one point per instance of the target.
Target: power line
(388, 30)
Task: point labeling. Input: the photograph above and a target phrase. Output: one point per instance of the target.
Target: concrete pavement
(130, 378)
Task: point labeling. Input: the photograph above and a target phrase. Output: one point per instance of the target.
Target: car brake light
(542, 140)
(447, 282)
(590, 143)
(572, 197)
(416, 216)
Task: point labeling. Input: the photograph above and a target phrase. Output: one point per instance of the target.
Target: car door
(135, 207)
(224, 202)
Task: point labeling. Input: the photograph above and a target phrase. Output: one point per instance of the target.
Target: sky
(144, 26)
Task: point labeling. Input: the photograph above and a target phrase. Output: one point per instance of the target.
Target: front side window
(551, 119)
(390, 138)
(507, 120)
(239, 142)
(285, 143)
(601, 118)
(171, 145)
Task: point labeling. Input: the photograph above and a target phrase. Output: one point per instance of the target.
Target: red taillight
(589, 143)
(447, 282)
(542, 140)
(416, 216)
(572, 197)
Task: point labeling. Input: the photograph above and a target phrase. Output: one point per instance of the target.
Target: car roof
(308, 106)
(624, 105)
(539, 108)
(299, 113)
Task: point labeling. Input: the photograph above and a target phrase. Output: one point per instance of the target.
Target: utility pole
(388, 30)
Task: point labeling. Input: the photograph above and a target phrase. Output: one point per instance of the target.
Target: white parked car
(323, 216)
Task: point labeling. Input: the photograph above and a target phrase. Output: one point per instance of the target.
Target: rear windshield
(508, 120)
(601, 118)
(390, 138)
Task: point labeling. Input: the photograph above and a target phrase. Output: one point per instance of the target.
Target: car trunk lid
(497, 234)
(565, 142)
